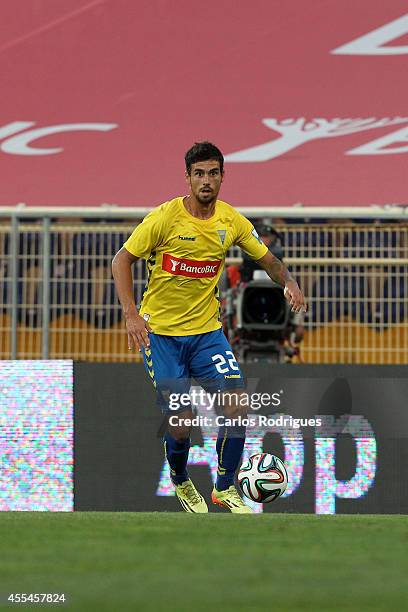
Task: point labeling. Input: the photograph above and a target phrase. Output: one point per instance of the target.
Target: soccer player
(178, 327)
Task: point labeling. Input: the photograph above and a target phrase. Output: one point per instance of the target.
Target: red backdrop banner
(101, 99)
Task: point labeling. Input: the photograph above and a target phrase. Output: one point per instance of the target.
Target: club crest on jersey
(189, 267)
(221, 234)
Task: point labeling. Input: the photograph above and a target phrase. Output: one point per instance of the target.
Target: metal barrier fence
(57, 297)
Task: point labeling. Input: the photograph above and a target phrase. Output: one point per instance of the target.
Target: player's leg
(165, 364)
(177, 446)
(214, 366)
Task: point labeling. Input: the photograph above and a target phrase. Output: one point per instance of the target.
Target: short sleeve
(146, 236)
(247, 238)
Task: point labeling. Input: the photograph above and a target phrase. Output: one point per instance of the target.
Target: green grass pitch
(179, 562)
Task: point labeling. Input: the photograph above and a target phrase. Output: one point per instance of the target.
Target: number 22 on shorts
(221, 363)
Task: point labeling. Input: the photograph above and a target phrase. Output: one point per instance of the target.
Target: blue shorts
(172, 361)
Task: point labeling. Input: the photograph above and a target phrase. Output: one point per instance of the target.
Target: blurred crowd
(81, 282)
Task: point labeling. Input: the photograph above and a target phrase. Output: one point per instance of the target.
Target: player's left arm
(247, 238)
(279, 273)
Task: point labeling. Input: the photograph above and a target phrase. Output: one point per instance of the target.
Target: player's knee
(235, 407)
(180, 433)
(233, 412)
(180, 426)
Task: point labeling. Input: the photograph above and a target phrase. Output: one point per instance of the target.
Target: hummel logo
(187, 237)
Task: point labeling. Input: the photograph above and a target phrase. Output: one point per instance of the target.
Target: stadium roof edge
(297, 211)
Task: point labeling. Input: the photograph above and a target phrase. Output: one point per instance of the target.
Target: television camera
(257, 318)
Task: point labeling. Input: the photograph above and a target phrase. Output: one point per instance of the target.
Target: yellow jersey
(185, 258)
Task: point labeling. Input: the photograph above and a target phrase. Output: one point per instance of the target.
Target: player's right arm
(137, 327)
(145, 237)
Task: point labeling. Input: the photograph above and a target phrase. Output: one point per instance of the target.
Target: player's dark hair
(203, 151)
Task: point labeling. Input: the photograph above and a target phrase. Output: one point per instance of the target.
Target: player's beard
(207, 201)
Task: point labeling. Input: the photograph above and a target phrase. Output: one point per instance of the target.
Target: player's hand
(137, 330)
(295, 297)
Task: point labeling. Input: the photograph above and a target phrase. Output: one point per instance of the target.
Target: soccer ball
(263, 478)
